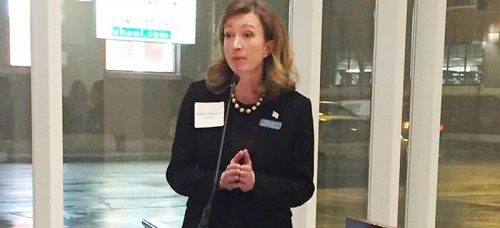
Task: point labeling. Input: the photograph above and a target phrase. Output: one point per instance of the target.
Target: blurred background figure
(96, 111)
(176, 89)
(75, 109)
(6, 118)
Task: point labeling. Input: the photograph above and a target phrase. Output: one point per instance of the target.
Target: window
(120, 55)
(354, 67)
(19, 29)
(463, 64)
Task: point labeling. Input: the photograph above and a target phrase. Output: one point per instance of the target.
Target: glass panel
(405, 125)
(119, 125)
(16, 193)
(468, 192)
(344, 136)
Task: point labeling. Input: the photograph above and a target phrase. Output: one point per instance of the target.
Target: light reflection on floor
(96, 195)
(122, 194)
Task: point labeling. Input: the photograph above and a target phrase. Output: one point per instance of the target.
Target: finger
(232, 179)
(246, 186)
(246, 160)
(236, 159)
(246, 176)
(229, 186)
(233, 166)
(232, 172)
(228, 181)
(246, 168)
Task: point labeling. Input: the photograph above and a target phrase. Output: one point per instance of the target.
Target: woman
(267, 156)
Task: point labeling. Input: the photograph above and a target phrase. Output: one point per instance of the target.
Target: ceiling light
(493, 37)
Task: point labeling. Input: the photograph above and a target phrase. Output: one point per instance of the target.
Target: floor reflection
(468, 194)
(96, 195)
(469, 191)
(122, 194)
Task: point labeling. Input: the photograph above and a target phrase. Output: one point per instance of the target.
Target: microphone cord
(205, 217)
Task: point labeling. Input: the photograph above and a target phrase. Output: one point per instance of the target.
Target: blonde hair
(279, 72)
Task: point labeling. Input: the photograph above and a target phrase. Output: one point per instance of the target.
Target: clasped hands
(239, 173)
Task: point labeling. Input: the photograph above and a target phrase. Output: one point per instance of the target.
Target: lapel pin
(276, 115)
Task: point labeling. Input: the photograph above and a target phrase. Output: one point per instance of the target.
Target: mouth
(238, 58)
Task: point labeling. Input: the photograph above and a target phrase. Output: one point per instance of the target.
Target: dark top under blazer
(282, 161)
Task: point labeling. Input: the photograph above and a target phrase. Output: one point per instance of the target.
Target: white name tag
(208, 114)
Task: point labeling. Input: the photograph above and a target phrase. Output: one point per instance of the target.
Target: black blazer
(282, 160)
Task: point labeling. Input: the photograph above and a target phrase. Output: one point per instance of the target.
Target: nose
(237, 43)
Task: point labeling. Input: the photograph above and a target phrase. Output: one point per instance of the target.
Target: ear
(268, 48)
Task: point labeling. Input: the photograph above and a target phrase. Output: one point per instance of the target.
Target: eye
(227, 35)
(248, 34)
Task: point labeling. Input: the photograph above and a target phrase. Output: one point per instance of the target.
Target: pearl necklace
(239, 107)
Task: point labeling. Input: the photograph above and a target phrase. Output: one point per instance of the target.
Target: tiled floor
(122, 194)
(96, 195)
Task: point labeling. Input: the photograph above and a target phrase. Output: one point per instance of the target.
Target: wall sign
(167, 21)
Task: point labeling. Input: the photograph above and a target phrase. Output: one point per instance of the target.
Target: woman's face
(244, 45)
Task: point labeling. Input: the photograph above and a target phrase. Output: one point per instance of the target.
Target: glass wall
(344, 128)
(16, 195)
(120, 107)
(468, 190)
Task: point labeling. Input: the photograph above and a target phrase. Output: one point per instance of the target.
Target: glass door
(345, 111)
(469, 154)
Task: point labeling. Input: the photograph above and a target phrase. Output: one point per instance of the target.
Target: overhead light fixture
(493, 36)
